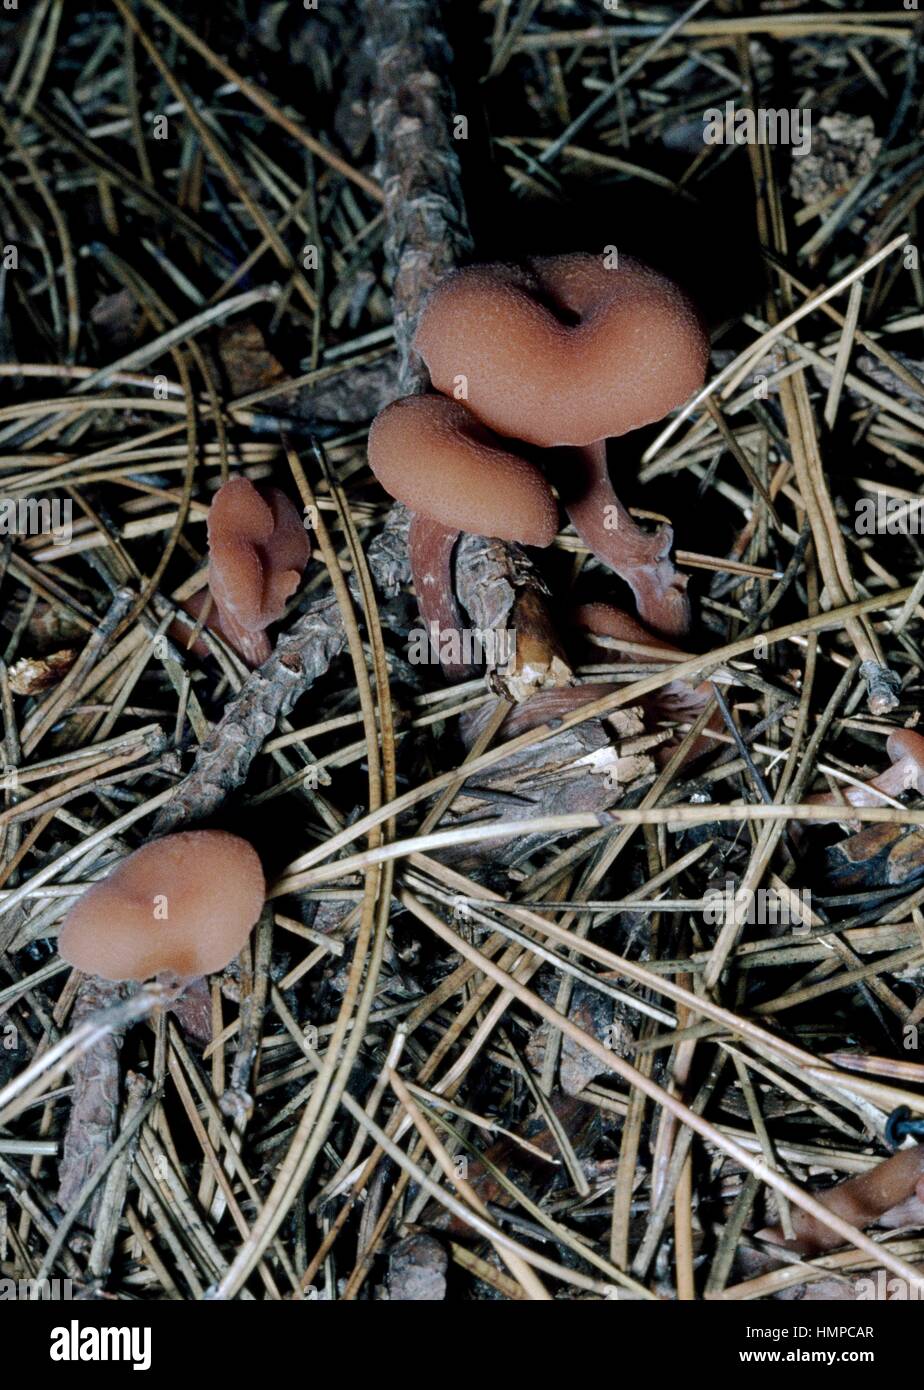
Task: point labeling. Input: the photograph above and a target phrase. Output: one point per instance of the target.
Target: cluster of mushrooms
(537, 365)
(535, 368)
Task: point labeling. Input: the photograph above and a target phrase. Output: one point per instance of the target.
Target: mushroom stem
(203, 606)
(254, 647)
(430, 549)
(906, 773)
(640, 558)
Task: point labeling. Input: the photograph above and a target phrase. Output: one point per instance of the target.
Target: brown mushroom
(861, 1201)
(434, 456)
(258, 549)
(181, 906)
(678, 700)
(569, 352)
(906, 773)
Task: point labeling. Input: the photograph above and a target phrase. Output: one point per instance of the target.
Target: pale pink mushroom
(564, 351)
(906, 773)
(258, 549)
(181, 906)
(861, 1201)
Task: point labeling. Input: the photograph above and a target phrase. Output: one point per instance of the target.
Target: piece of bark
(388, 553)
(887, 380)
(499, 588)
(352, 397)
(33, 674)
(246, 361)
(222, 762)
(115, 1188)
(599, 1016)
(878, 855)
(95, 1099)
(417, 1270)
(844, 150)
(412, 108)
(193, 1011)
(585, 768)
(526, 1169)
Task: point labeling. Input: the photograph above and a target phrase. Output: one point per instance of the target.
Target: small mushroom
(677, 700)
(258, 549)
(568, 352)
(434, 456)
(861, 1201)
(906, 773)
(181, 906)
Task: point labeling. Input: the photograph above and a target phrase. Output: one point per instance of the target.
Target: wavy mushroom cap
(564, 351)
(435, 457)
(258, 549)
(184, 904)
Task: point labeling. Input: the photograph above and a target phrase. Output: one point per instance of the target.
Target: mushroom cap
(606, 620)
(258, 549)
(183, 904)
(435, 457)
(905, 743)
(565, 350)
